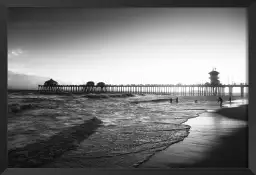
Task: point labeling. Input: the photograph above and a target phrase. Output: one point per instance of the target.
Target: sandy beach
(216, 139)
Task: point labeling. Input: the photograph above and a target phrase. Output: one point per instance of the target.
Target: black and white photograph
(127, 87)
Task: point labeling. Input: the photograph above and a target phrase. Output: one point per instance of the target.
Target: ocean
(132, 129)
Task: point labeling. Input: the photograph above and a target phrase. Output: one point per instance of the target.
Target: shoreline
(208, 145)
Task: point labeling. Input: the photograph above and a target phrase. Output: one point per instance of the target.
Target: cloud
(15, 53)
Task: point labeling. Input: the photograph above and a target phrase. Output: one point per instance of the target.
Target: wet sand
(214, 141)
(240, 113)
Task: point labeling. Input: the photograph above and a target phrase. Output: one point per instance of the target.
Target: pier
(176, 90)
(212, 88)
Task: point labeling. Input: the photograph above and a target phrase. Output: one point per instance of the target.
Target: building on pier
(51, 82)
(49, 86)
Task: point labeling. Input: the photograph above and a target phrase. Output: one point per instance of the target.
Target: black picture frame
(251, 11)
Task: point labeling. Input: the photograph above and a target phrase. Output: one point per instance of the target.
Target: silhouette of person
(221, 101)
(171, 100)
(230, 99)
(177, 100)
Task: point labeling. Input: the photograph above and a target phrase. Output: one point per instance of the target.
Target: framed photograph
(127, 87)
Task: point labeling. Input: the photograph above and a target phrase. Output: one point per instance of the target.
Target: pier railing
(183, 90)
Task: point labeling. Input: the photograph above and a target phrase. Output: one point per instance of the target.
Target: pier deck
(184, 90)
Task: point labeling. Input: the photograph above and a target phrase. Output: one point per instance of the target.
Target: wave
(101, 96)
(148, 101)
(42, 152)
(15, 108)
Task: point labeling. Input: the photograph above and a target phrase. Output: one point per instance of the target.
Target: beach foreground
(214, 141)
(99, 131)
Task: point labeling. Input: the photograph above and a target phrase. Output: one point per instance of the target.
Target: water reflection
(235, 103)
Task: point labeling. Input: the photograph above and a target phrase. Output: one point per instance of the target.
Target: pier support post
(230, 91)
(242, 91)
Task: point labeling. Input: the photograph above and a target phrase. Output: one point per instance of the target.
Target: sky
(129, 45)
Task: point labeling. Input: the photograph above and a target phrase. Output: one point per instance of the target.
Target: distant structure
(214, 79)
(212, 88)
(89, 87)
(102, 86)
(51, 82)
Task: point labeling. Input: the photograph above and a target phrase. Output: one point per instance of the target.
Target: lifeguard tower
(214, 80)
(214, 77)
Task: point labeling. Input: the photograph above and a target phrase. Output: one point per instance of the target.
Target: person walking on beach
(220, 100)
(177, 100)
(171, 100)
